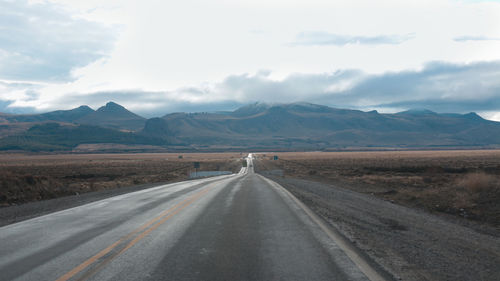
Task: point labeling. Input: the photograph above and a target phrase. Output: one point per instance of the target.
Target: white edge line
(359, 261)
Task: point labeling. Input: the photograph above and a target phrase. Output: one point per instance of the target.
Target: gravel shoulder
(410, 243)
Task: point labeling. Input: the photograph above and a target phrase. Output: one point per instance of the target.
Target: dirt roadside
(410, 243)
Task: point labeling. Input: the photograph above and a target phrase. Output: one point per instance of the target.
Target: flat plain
(27, 178)
(464, 183)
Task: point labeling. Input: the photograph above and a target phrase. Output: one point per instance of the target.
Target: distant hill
(259, 126)
(311, 126)
(68, 116)
(57, 137)
(111, 115)
(115, 116)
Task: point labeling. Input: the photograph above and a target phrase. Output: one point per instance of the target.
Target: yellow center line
(143, 234)
(176, 208)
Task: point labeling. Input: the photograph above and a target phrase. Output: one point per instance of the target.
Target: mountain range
(259, 126)
(111, 115)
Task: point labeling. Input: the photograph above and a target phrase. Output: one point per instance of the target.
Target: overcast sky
(157, 56)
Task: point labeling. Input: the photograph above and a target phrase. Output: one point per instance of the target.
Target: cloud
(43, 42)
(145, 103)
(448, 105)
(439, 86)
(320, 38)
(475, 38)
(296, 87)
(14, 93)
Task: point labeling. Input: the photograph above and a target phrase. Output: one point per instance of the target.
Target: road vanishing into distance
(234, 227)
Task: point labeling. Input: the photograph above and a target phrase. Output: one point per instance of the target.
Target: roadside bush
(477, 182)
(479, 194)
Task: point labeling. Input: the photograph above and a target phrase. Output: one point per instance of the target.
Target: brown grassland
(27, 178)
(462, 183)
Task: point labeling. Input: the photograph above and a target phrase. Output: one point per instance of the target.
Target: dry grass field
(462, 183)
(26, 178)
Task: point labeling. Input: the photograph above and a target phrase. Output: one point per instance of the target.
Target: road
(235, 227)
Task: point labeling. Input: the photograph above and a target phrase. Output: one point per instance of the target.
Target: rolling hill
(58, 115)
(111, 115)
(114, 116)
(310, 126)
(295, 126)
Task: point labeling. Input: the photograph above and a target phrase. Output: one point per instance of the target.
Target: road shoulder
(409, 243)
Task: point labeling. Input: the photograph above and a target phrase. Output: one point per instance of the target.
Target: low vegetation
(26, 178)
(462, 183)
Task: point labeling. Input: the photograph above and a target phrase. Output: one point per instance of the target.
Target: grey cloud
(449, 105)
(320, 38)
(30, 93)
(137, 101)
(475, 38)
(439, 86)
(6, 108)
(42, 42)
(225, 105)
(127, 98)
(296, 87)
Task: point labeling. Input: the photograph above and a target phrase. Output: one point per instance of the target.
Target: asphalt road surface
(236, 227)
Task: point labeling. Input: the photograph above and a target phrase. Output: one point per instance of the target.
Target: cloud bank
(438, 86)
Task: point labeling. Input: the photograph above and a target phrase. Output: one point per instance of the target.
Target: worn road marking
(163, 217)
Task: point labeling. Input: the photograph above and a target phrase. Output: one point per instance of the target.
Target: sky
(156, 57)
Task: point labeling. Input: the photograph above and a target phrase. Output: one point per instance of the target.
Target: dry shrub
(477, 182)
(462, 200)
(479, 194)
(393, 179)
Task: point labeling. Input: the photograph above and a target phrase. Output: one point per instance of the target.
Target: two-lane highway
(236, 227)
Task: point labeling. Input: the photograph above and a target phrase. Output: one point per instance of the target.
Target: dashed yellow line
(163, 217)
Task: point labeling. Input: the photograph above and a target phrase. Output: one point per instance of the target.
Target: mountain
(57, 137)
(259, 126)
(156, 127)
(250, 109)
(68, 116)
(111, 115)
(114, 116)
(311, 126)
